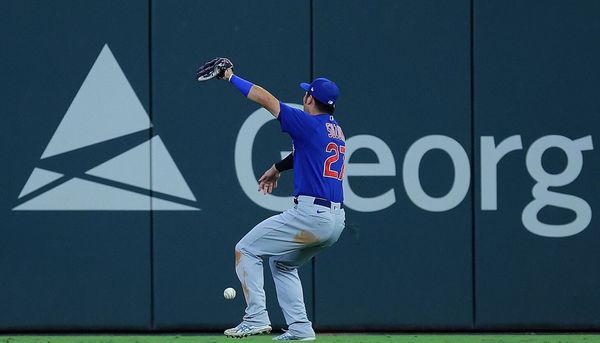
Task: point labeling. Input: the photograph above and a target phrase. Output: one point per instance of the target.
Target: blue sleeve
(294, 121)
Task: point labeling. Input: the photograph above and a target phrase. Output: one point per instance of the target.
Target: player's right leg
(324, 232)
(284, 269)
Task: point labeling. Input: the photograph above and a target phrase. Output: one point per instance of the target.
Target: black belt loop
(320, 202)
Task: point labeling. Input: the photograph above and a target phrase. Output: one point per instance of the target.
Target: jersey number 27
(338, 152)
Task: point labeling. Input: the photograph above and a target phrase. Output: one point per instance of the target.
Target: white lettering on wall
(412, 182)
(385, 167)
(491, 155)
(542, 196)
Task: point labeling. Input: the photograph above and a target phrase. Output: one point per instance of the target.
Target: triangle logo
(117, 163)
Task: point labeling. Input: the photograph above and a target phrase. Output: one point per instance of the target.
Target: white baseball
(229, 293)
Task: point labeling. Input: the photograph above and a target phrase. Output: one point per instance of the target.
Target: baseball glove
(214, 68)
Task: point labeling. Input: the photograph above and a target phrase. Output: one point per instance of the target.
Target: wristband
(241, 84)
(285, 164)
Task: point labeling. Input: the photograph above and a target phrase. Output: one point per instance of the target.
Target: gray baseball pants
(289, 240)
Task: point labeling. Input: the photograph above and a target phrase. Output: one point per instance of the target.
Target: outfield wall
(471, 178)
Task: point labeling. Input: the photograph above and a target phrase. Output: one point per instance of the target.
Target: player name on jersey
(335, 131)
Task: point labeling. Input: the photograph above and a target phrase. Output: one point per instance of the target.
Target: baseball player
(316, 220)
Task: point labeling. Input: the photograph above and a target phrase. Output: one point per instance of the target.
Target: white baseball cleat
(287, 336)
(244, 330)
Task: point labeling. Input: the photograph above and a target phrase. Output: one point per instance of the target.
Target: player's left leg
(272, 236)
(256, 321)
(249, 269)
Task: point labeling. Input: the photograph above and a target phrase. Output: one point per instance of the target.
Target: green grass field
(323, 338)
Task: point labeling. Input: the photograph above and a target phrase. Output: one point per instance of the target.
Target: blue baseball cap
(324, 90)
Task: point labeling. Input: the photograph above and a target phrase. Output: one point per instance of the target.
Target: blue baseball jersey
(319, 151)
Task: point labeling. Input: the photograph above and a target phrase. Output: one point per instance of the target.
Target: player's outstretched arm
(254, 92)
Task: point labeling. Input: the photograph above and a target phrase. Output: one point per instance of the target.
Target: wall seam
(473, 159)
(311, 71)
(150, 115)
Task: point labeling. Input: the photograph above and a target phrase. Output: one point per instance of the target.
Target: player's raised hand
(268, 181)
(214, 68)
(227, 74)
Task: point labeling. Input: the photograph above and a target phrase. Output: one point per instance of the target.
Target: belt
(320, 202)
